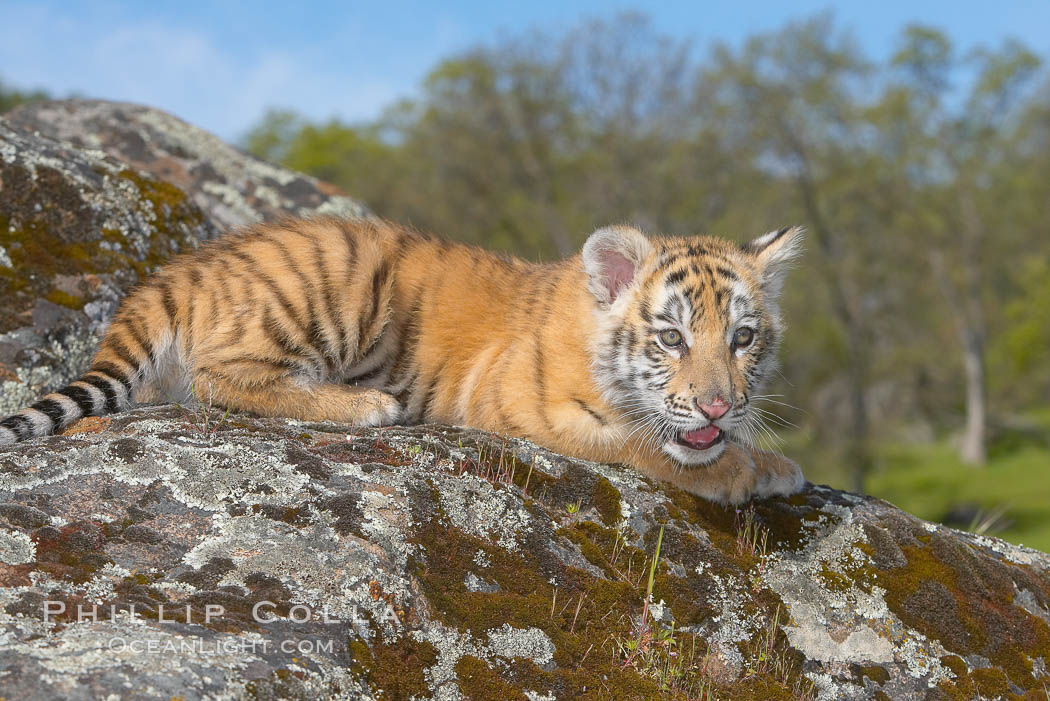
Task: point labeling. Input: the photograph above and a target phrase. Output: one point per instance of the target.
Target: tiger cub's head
(687, 332)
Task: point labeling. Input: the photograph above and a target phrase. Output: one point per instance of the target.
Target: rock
(435, 562)
(93, 197)
(77, 229)
(230, 186)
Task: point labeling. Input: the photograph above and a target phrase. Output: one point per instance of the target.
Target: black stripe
(676, 277)
(53, 410)
(169, 301)
(113, 371)
(82, 398)
(595, 415)
(752, 247)
(282, 338)
(351, 242)
(237, 333)
(365, 323)
(409, 336)
(138, 336)
(111, 405)
(314, 333)
(428, 396)
(117, 346)
(329, 300)
(20, 425)
(727, 273)
(539, 361)
(188, 326)
(647, 315)
(286, 305)
(368, 375)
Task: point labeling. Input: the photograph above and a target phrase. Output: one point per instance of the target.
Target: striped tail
(105, 389)
(132, 345)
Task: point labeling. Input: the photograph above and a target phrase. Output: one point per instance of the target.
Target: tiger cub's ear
(611, 257)
(774, 252)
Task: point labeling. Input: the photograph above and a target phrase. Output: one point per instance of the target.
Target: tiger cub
(637, 350)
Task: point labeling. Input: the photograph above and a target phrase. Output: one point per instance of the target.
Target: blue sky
(220, 64)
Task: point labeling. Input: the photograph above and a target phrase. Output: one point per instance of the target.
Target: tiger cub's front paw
(776, 475)
(731, 479)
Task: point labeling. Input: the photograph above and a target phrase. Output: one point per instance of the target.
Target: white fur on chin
(689, 457)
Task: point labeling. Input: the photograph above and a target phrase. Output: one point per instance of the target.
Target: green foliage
(1018, 357)
(11, 98)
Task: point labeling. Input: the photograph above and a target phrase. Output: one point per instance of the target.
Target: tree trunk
(973, 450)
(964, 301)
(858, 449)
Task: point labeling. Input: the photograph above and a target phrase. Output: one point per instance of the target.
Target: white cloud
(184, 70)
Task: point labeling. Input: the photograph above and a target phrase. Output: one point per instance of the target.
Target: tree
(960, 154)
(11, 98)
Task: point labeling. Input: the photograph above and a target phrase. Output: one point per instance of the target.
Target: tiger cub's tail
(130, 347)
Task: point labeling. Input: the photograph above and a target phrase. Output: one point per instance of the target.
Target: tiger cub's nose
(716, 408)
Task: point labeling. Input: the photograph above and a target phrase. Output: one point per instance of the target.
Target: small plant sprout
(200, 418)
(751, 535)
(992, 521)
(574, 508)
(525, 489)
(670, 657)
(652, 575)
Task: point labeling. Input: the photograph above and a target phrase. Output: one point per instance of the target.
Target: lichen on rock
(356, 552)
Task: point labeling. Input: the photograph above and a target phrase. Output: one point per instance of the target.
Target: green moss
(580, 616)
(161, 194)
(877, 674)
(956, 664)
(44, 244)
(853, 577)
(530, 478)
(942, 600)
(478, 682)
(752, 688)
(396, 668)
(981, 683)
(587, 535)
(990, 681)
(690, 607)
(606, 499)
(65, 299)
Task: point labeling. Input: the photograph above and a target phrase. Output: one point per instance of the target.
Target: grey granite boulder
(231, 187)
(274, 559)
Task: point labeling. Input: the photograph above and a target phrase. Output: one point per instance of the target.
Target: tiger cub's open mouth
(701, 438)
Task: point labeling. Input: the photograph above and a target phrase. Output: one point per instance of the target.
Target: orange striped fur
(367, 323)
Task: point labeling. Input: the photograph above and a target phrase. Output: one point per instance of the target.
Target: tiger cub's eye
(670, 338)
(743, 337)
